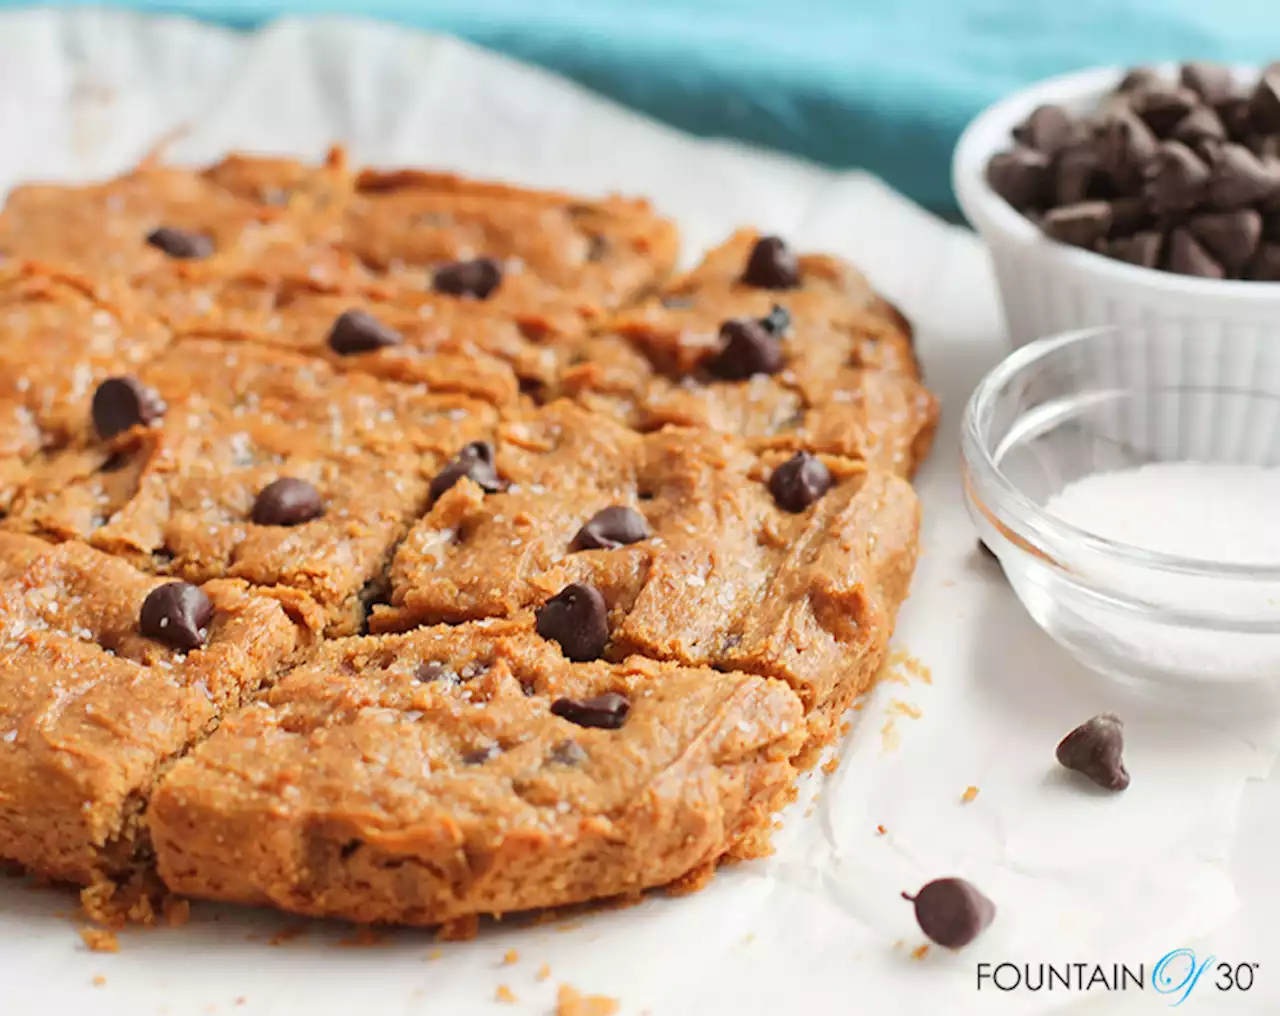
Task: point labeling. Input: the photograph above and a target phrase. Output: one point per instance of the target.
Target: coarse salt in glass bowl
(1123, 477)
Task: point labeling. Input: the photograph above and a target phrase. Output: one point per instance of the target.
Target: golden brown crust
(91, 710)
(446, 343)
(58, 339)
(848, 385)
(177, 497)
(347, 778)
(402, 222)
(727, 580)
(358, 789)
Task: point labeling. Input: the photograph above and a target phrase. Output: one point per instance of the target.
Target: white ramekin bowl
(1049, 288)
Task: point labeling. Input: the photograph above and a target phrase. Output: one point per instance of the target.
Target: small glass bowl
(1113, 398)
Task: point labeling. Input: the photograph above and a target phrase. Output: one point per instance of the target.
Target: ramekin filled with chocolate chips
(1147, 195)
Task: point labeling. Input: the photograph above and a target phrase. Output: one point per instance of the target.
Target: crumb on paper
(176, 910)
(920, 951)
(857, 707)
(115, 904)
(899, 944)
(900, 708)
(99, 981)
(900, 667)
(462, 929)
(913, 666)
(543, 973)
(808, 811)
(287, 934)
(969, 794)
(505, 995)
(435, 953)
(569, 926)
(845, 728)
(881, 830)
(510, 957)
(889, 737)
(100, 940)
(831, 765)
(241, 1000)
(571, 1002)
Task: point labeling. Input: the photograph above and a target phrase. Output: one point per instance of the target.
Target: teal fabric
(882, 84)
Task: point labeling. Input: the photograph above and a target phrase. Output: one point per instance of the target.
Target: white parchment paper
(820, 926)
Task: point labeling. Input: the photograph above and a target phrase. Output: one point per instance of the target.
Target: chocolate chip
(124, 402)
(799, 482)
(181, 243)
(567, 753)
(749, 349)
(1125, 146)
(952, 912)
(777, 321)
(1212, 82)
(1049, 129)
(1138, 78)
(430, 671)
(1177, 178)
(1095, 749)
(597, 247)
(1158, 173)
(1162, 106)
(612, 527)
(177, 614)
(1128, 216)
(358, 331)
(1142, 248)
(1078, 173)
(1187, 257)
(479, 756)
(1264, 103)
(1241, 179)
(478, 278)
(1080, 225)
(475, 462)
(1266, 264)
(772, 265)
(1201, 125)
(1021, 177)
(116, 461)
(1230, 237)
(1236, 117)
(576, 618)
(287, 501)
(607, 711)
(1264, 146)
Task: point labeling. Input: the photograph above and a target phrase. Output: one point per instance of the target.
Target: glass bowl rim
(1006, 504)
